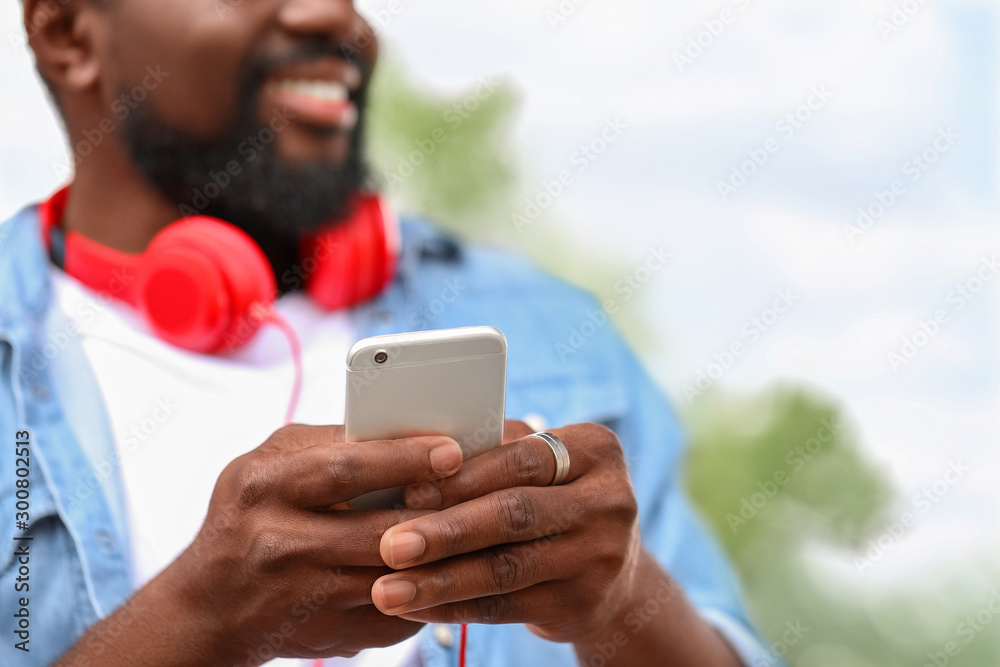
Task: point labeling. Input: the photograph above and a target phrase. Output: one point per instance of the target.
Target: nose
(331, 18)
(336, 18)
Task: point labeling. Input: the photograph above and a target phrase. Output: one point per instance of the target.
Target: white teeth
(328, 91)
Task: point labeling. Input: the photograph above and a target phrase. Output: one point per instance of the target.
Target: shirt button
(536, 422)
(444, 635)
(105, 539)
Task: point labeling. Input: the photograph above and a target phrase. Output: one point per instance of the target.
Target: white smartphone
(446, 382)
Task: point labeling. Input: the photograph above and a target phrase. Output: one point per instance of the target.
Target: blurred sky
(887, 96)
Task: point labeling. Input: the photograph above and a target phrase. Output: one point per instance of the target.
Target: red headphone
(203, 284)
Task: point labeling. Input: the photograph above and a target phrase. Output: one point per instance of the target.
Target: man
(125, 555)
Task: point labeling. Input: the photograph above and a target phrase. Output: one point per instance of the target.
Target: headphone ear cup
(205, 285)
(354, 258)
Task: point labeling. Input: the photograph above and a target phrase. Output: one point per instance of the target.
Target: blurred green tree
(810, 522)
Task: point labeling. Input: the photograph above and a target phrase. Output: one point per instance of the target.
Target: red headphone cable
(295, 347)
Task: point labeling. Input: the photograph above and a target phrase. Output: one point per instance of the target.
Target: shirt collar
(24, 284)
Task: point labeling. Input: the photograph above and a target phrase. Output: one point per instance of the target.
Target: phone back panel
(450, 382)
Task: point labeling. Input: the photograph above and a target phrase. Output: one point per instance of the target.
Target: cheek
(183, 60)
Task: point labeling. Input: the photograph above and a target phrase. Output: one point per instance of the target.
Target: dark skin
(499, 544)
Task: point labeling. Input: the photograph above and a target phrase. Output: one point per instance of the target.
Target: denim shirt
(566, 364)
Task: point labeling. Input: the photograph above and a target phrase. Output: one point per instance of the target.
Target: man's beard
(268, 198)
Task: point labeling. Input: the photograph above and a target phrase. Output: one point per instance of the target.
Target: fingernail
(446, 458)
(396, 593)
(405, 547)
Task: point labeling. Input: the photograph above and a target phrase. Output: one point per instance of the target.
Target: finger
(344, 587)
(503, 517)
(528, 461)
(536, 605)
(337, 539)
(330, 473)
(370, 628)
(294, 437)
(514, 429)
(496, 571)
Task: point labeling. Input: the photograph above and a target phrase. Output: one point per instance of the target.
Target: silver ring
(561, 454)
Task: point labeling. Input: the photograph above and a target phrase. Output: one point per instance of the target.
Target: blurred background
(823, 176)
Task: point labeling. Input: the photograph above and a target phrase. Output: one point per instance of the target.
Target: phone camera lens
(381, 357)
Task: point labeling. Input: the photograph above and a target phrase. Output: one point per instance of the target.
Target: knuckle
(444, 584)
(506, 570)
(253, 482)
(525, 465)
(603, 433)
(610, 556)
(453, 536)
(290, 430)
(289, 433)
(270, 553)
(618, 508)
(624, 507)
(342, 469)
(491, 608)
(606, 440)
(517, 512)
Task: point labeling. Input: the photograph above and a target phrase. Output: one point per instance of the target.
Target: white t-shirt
(179, 418)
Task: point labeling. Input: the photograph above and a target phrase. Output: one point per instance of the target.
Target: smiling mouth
(322, 103)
